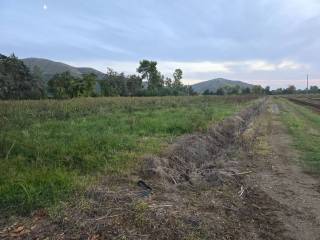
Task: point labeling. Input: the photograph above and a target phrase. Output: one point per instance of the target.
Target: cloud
(240, 39)
(260, 65)
(198, 71)
(196, 67)
(111, 48)
(287, 64)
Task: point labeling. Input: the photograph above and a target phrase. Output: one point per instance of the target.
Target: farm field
(159, 120)
(233, 167)
(50, 148)
(312, 100)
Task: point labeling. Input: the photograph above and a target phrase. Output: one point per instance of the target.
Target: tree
(114, 84)
(64, 85)
(134, 85)
(104, 88)
(89, 81)
(16, 81)
(177, 76)
(220, 91)
(110, 84)
(257, 89)
(149, 71)
(278, 91)
(291, 89)
(234, 90)
(207, 92)
(314, 89)
(246, 90)
(267, 90)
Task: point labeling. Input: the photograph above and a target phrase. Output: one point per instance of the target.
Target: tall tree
(149, 71)
(177, 76)
(16, 81)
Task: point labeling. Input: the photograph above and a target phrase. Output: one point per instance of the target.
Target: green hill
(49, 68)
(214, 84)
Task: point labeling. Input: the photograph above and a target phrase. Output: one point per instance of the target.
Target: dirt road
(282, 178)
(241, 180)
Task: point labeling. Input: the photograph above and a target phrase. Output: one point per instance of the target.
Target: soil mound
(200, 154)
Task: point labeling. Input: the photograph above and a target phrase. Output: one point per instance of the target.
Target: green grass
(304, 125)
(49, 148)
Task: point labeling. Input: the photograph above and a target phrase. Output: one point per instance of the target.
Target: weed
(140, 214)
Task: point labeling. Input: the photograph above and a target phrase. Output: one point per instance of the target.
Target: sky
(266, 42)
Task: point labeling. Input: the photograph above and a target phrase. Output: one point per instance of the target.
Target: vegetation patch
(50, 148)
(304, 125)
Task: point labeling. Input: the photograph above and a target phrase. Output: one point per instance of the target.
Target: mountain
(214, 84)
(50, 68)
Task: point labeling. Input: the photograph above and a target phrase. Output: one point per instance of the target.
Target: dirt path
(282, 178)
(241, 180)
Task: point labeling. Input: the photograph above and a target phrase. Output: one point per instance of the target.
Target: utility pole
(307, 83)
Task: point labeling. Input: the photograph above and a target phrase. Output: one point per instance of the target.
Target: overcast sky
(268, 42)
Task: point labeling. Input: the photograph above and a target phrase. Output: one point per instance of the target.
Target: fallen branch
(159, 206)
(242, 173)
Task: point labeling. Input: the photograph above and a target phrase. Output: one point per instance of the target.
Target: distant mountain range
(50, 68)
(214, 84)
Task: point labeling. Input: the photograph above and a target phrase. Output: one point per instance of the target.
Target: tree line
(19, 82)
(258, 90)
(293, 90)
(237, 90)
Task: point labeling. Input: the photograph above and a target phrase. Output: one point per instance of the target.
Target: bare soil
(240, 180)
(286, 182)
(311, 102)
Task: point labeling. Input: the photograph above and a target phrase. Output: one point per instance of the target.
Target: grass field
(304, 125)
(49, 148)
